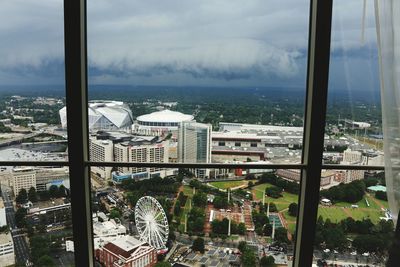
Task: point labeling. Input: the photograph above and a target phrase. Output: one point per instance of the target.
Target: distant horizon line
(291, 88)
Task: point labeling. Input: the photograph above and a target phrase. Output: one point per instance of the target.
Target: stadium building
(105, 115)
(160, 123)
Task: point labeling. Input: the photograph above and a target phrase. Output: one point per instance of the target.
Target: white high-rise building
(101, 150)
(194, 145)
(3, 219)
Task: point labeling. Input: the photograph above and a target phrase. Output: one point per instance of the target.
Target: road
(20, 246)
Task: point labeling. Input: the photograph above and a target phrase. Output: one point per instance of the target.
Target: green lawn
(229, 184)
(187, 190)
(291, 221)
(335, 214)
(281, 203)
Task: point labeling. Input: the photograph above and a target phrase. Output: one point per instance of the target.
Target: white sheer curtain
(387, 13)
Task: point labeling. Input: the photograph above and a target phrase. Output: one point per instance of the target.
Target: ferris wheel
(151, 222)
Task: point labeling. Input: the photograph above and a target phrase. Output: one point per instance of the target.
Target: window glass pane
(200, 77)
(32, 82)
(197, 221)
(354, 122)
(35, 216)
(354, 224)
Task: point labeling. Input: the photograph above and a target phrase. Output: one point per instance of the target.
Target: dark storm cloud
(193, 42)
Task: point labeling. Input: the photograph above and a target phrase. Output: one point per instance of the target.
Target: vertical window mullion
(76, 102)
(314, 128)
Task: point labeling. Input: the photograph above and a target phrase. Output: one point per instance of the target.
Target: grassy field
(335, 213)
(291, 221)
(281, 203)
(230, 184)
(188, 191)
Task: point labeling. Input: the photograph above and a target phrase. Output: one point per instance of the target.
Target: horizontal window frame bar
(35, 163)
(193, 165)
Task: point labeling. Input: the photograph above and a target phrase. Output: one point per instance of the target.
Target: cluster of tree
(336, 148)
(20, 220)
(33, 196)
(195, 220)
(179, 203)
(261, 223)
(248, 257)
(156, 185)
(267, 261)
(288, 186)
(221, 227)
(351, 192)
(200, 200)
(4, 129)
(220, 202)
(263, 208)
(198, 245)
(293, 209)
(369, 237)
(115, 213)
(381, 195)
(43, 245)
(274, 192)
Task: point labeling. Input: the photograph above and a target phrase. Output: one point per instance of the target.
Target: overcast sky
(187, 42)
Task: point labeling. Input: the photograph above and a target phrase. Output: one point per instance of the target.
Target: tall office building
(24, 177)
(194, 145)
(101, 150)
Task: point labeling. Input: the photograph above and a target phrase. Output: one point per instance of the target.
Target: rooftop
(165, 116)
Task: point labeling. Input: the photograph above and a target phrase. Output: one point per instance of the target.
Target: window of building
(282, 207)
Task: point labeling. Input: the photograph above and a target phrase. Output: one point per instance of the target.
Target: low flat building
(7, 255)
(108, 228)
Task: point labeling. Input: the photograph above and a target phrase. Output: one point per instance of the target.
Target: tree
(177, 208)
(220, 202)
(241, 228)
(20, 217)
(198, 245)
(281, 235)
(162, 264)
(200, 200)
(32, 196)
(381, 195)
(248, 258)
(62, 191)
(293, 209)
(274, 191)
(250, 184)
(242, 246)
(45, 261)
(115, 213)
(267, 261)
(53, 191)
(22, 196)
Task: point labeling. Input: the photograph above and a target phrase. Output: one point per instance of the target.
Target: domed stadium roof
(165, 116)
(104, 115)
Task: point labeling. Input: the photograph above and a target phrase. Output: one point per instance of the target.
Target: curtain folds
(387, 14)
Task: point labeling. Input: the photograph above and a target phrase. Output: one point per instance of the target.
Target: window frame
(75, 39)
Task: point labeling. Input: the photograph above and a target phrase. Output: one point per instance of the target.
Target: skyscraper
(194, 144)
